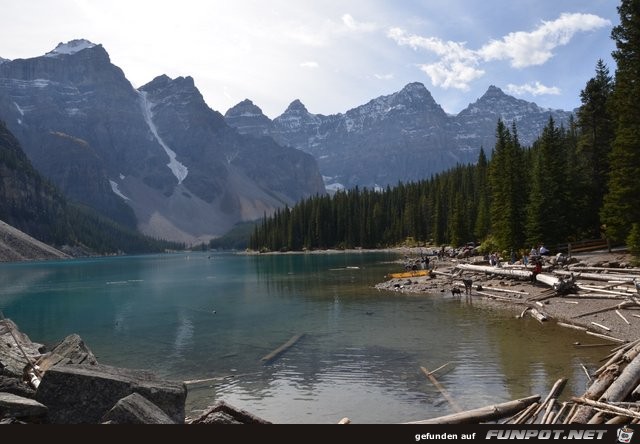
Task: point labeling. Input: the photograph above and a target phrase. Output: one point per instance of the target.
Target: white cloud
(384, 76)
(535, 48)
(310, 65)
(535, 89)
(353, 25)
(457, 66)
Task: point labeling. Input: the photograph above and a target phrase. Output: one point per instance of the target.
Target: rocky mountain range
(404, 136)
(159, 159)
(156, 158)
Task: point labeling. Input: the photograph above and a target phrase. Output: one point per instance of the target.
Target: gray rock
(16, 387)
(13, 406)
(223, 413)
(72, 350)
(136, 409)
(84, 394)
(12, 361)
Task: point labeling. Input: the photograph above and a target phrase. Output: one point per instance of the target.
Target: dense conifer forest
(578, 181)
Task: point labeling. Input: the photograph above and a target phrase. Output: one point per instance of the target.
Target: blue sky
(333, 55)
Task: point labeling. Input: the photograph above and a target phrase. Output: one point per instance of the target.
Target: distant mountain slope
(404, 136)
(32, 206)
(157, 158)
(18, 246)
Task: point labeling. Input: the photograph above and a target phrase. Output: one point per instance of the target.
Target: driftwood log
(280, 350)
(482, 414)
(521, 274)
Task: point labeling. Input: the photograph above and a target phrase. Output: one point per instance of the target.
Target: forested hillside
(576, 181)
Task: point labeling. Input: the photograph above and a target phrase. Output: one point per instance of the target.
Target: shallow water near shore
(214, 316)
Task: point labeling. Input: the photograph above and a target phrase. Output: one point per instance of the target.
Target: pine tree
(506, 184)
(548, 199)
(622, 202)
(482, 220)
(596, 127)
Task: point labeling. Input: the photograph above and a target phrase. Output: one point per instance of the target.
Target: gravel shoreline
(565, 309)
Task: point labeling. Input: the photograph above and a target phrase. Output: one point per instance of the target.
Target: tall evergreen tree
(622, 202)
(482, 223)
(596, 127)
(505, 180)
(548, 199)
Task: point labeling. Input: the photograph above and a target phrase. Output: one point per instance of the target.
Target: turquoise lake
(214, 316)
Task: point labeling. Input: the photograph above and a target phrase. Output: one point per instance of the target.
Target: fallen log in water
(441, 389)
(609, 338)
(538, 315)
(283, 348)
(482, 414)
(553, 394)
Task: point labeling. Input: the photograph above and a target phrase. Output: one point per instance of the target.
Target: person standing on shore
(537, 269)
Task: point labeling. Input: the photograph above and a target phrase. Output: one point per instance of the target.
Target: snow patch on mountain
(116, 190)
(69, 48)
(179, 170)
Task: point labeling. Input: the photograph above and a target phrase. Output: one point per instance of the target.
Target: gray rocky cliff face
(405, 136)
(158, 159)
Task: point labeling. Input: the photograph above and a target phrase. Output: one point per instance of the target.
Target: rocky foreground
(67, 385)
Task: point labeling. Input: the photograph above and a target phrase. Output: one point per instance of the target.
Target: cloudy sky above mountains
(333, 55)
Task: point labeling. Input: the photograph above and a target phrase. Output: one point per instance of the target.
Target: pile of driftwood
(612, 398)
(570, 285)
(614, 394)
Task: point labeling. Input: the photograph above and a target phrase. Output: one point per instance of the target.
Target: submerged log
(283, 348)
(441, 389)
(488, 413)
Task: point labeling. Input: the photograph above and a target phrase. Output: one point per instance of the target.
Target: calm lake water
(198, 316)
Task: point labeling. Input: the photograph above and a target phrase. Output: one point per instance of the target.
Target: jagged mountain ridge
(157, 158)
(400, 137)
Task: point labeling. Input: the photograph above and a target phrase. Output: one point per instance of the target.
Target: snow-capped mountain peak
(71, 47)
(3, 60)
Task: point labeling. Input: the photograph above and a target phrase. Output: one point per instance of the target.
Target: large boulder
(16, 386)
(77, 394)
(12, 345)
(223, 413)
(72, 350)
(12, 406)
(136, 409)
